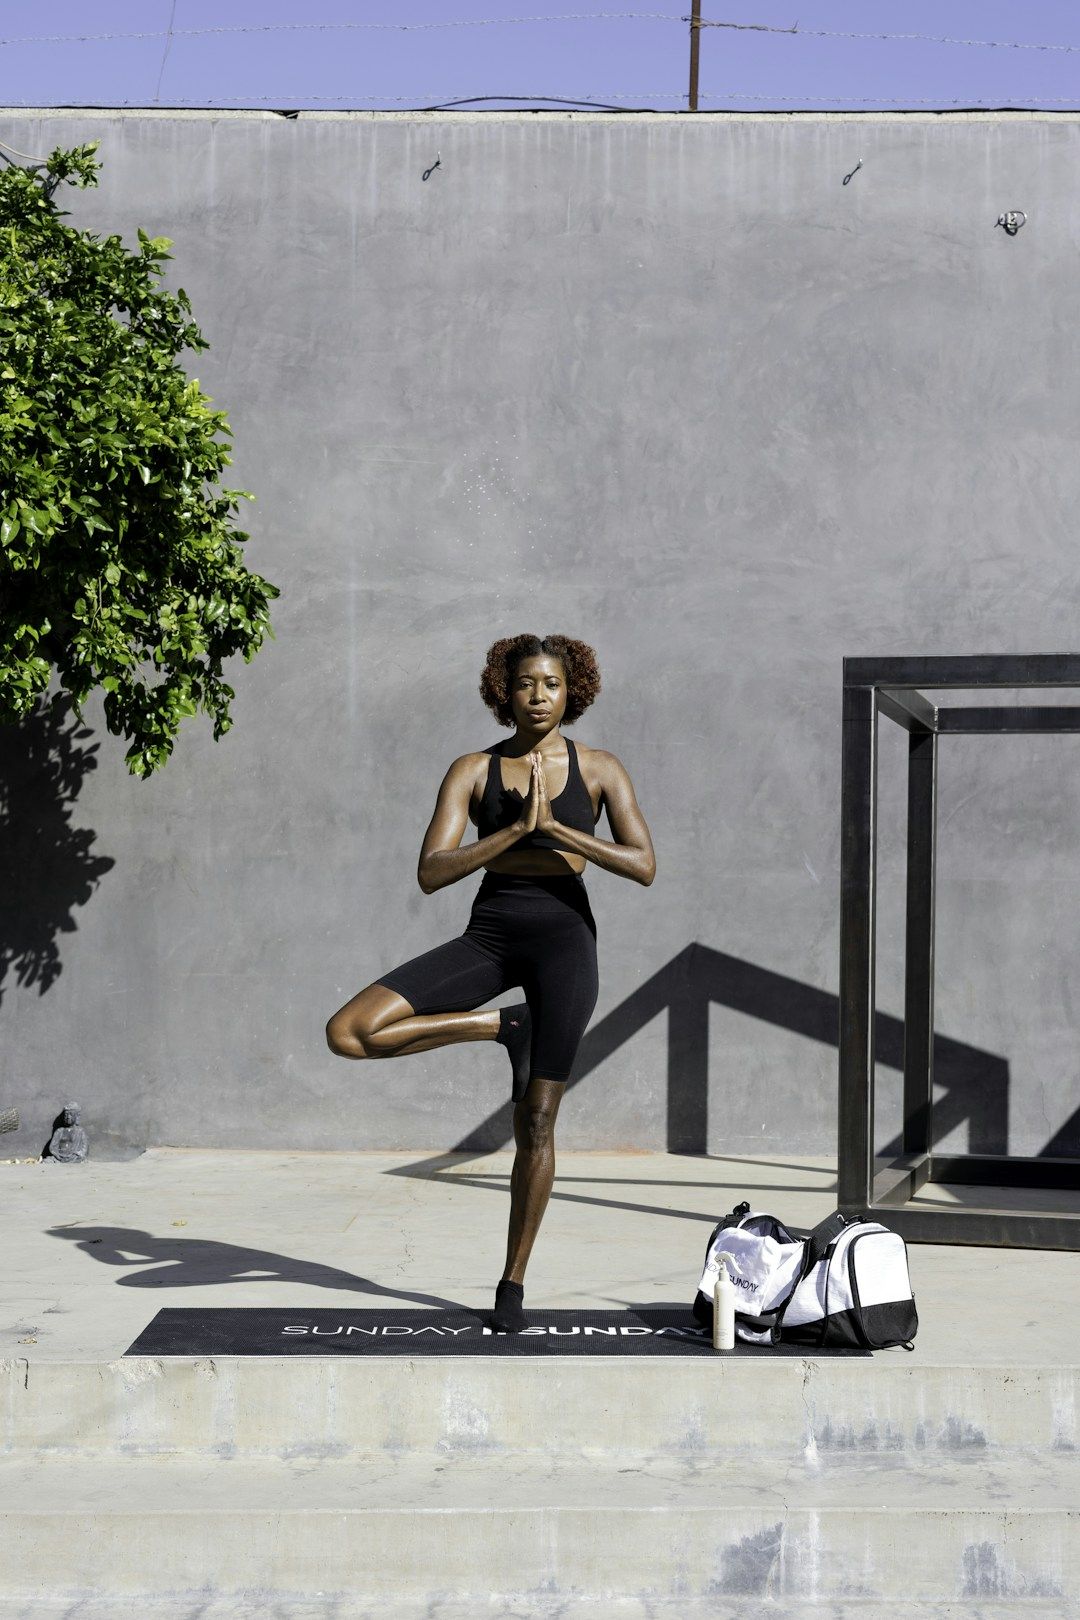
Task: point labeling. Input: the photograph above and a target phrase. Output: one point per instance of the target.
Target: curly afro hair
(578, 661)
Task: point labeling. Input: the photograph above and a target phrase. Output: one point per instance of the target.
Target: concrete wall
(659, 382)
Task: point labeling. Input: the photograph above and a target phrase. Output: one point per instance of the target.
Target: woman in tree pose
(535, 799)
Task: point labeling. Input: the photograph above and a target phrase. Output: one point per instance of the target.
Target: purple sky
(623, 61)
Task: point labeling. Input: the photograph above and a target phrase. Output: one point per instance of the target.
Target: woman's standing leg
(533, 1173)
(561, 983)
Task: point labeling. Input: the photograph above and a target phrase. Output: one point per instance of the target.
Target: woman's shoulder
(589, 753)
(602, 769)
(595, 764)
(475, 757)
(471, 768)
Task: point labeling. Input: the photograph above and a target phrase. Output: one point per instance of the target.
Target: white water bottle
(723, 1321)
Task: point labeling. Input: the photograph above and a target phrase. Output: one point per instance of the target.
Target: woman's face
(538, 695)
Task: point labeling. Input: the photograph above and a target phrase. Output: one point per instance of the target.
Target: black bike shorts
(536, 932)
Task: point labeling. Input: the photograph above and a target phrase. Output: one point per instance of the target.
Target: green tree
(120, 567)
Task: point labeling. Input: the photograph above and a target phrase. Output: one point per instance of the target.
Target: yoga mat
(653, 1330)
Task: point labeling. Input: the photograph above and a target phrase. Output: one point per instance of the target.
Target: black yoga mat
(251, 1330)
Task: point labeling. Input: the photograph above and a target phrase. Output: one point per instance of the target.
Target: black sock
(515, 1033)
(509, 1316)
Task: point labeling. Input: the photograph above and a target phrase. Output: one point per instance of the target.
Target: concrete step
(316, 1488)
(971, 1528)
(317, 1406)
(529, 1606)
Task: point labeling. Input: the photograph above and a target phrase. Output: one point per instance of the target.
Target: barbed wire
(492, 22)
(929, 39)
(356, 102)
(305, 27)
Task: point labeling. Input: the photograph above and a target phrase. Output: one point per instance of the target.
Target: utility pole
(695, 37)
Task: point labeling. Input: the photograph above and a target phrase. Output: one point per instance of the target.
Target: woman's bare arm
(631, 856)
(441, 860)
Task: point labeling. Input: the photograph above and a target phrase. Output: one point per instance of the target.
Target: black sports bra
(500, 806)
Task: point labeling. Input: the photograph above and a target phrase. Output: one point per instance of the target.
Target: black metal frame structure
(890, 686)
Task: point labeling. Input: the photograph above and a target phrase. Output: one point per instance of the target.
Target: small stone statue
(68, 1142)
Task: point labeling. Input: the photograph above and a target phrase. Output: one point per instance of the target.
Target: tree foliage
(120, 567)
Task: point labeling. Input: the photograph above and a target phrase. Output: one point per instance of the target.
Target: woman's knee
(354, 1030)
(379, 1043)
(343, 1038)
(534, 1120)
(349, 1041)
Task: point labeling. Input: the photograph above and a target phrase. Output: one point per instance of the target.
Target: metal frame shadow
(890, 686)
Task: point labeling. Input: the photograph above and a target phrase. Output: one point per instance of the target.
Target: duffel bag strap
(824, 1233)
(813, 1250)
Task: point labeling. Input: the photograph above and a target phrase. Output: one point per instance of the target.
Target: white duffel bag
(845, 1283)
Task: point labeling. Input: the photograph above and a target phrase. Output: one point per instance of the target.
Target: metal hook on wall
(434, 166)
(1012, 221)
(855, 170)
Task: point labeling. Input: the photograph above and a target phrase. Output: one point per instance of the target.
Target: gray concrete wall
(659, 382)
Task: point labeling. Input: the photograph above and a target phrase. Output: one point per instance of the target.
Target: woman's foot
(509, 1316)
(515, 1033)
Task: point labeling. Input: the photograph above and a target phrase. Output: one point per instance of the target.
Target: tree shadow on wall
(975, 1083)
(47, 867)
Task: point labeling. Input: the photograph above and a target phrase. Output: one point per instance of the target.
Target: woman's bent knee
(343, 1040)
(352, 1031)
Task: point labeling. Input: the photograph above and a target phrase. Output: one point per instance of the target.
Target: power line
(898, 101)
(25, 155)
(566, 101)
(493, 22)
(165, 52)
(5, 148)
(1073, 102)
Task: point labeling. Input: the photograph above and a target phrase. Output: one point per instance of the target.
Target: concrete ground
(508, 1488)
(92, 1251)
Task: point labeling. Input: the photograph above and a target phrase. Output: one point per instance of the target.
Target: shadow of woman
(176, 1262)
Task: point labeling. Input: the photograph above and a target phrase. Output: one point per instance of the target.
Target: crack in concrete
(811, 1456)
